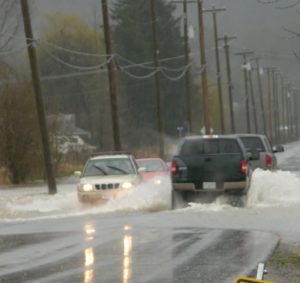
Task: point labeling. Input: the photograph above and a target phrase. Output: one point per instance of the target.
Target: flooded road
(136, 238)
(131, 248)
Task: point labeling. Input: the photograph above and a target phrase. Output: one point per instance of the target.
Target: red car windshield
(151, 165)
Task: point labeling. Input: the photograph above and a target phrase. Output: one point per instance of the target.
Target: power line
(17, 50)
(71, 50)
(78, 67)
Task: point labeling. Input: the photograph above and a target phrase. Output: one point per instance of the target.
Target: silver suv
(107, 175)
(260, 145)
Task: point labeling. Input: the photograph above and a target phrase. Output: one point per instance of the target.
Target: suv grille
(107, 186)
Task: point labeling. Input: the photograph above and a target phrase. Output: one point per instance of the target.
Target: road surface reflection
(89, 257)
(127, 260)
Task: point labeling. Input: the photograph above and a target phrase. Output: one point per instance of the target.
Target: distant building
(67, 137)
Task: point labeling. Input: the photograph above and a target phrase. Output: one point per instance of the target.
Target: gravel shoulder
(284, 264)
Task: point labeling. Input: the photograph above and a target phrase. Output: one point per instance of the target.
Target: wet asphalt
(127, 248)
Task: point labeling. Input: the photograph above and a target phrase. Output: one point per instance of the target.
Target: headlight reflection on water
(127, 257)
(89, 257)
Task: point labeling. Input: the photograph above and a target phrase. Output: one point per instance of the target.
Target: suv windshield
(109, 166)
(209, 146)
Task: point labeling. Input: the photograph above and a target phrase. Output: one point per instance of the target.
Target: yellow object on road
(250, 280)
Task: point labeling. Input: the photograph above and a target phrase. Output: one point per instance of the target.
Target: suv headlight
(157, 181)
(86, 187)
(127, 185)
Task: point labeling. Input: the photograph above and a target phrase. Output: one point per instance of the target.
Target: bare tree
(20, 150)
(9, 22)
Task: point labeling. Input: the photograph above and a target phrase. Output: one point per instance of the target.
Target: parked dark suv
(210, 165)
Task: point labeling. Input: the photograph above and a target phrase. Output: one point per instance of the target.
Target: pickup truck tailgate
(211, 167)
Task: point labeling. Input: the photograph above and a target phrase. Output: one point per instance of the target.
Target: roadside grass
(285, 257)
(284, 265)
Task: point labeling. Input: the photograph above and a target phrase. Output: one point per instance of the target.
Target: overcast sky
(258, 27)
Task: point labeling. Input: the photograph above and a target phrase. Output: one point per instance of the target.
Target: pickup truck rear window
(209, 146)
(253, 144)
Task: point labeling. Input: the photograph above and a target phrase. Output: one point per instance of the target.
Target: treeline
(72, 61)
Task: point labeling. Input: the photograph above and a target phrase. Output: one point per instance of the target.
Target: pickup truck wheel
(237, 200)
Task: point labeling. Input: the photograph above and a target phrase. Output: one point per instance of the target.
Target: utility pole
(291, 108)
(204, 71)
(157, 78)
(187, 62)
(294, 110)
(214, 12)
(244, 55)
(288, 110)
(283, 109)
(261, 96)
(269, 70)
(275, 104)
(282, 116)
(111, 77)
(38, 97)
(226, 39)
(296, 107)
(253, 101)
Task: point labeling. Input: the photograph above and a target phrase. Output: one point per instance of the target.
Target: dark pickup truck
(211, 165)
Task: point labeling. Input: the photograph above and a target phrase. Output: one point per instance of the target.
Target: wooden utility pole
(226, 39)
(244, 55)
(288, 109)
(296, 111)
(261, 96)
(269, 70)
(111, 77)
(283, 111)
(38, 97)
(204, 71)
(275, 105)
(187, 62)
(253, 104)
(157, 78)
(214, 12)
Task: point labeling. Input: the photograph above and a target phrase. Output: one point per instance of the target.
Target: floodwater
(34, 202)
(268, 189)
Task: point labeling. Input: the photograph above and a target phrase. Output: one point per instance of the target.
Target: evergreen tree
(132, 35)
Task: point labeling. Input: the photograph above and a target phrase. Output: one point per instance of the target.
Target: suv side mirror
(278, 148)
(77, 173)
(141, 169)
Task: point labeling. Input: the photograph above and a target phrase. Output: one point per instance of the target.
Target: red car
(153, 168)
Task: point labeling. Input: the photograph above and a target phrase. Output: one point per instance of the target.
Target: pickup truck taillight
(174, 168)
(244, 166)
(268, 160)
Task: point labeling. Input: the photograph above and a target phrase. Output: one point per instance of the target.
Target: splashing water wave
(28, 203)
(268, 189)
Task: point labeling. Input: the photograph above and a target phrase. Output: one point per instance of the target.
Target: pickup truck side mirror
(278, 148)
